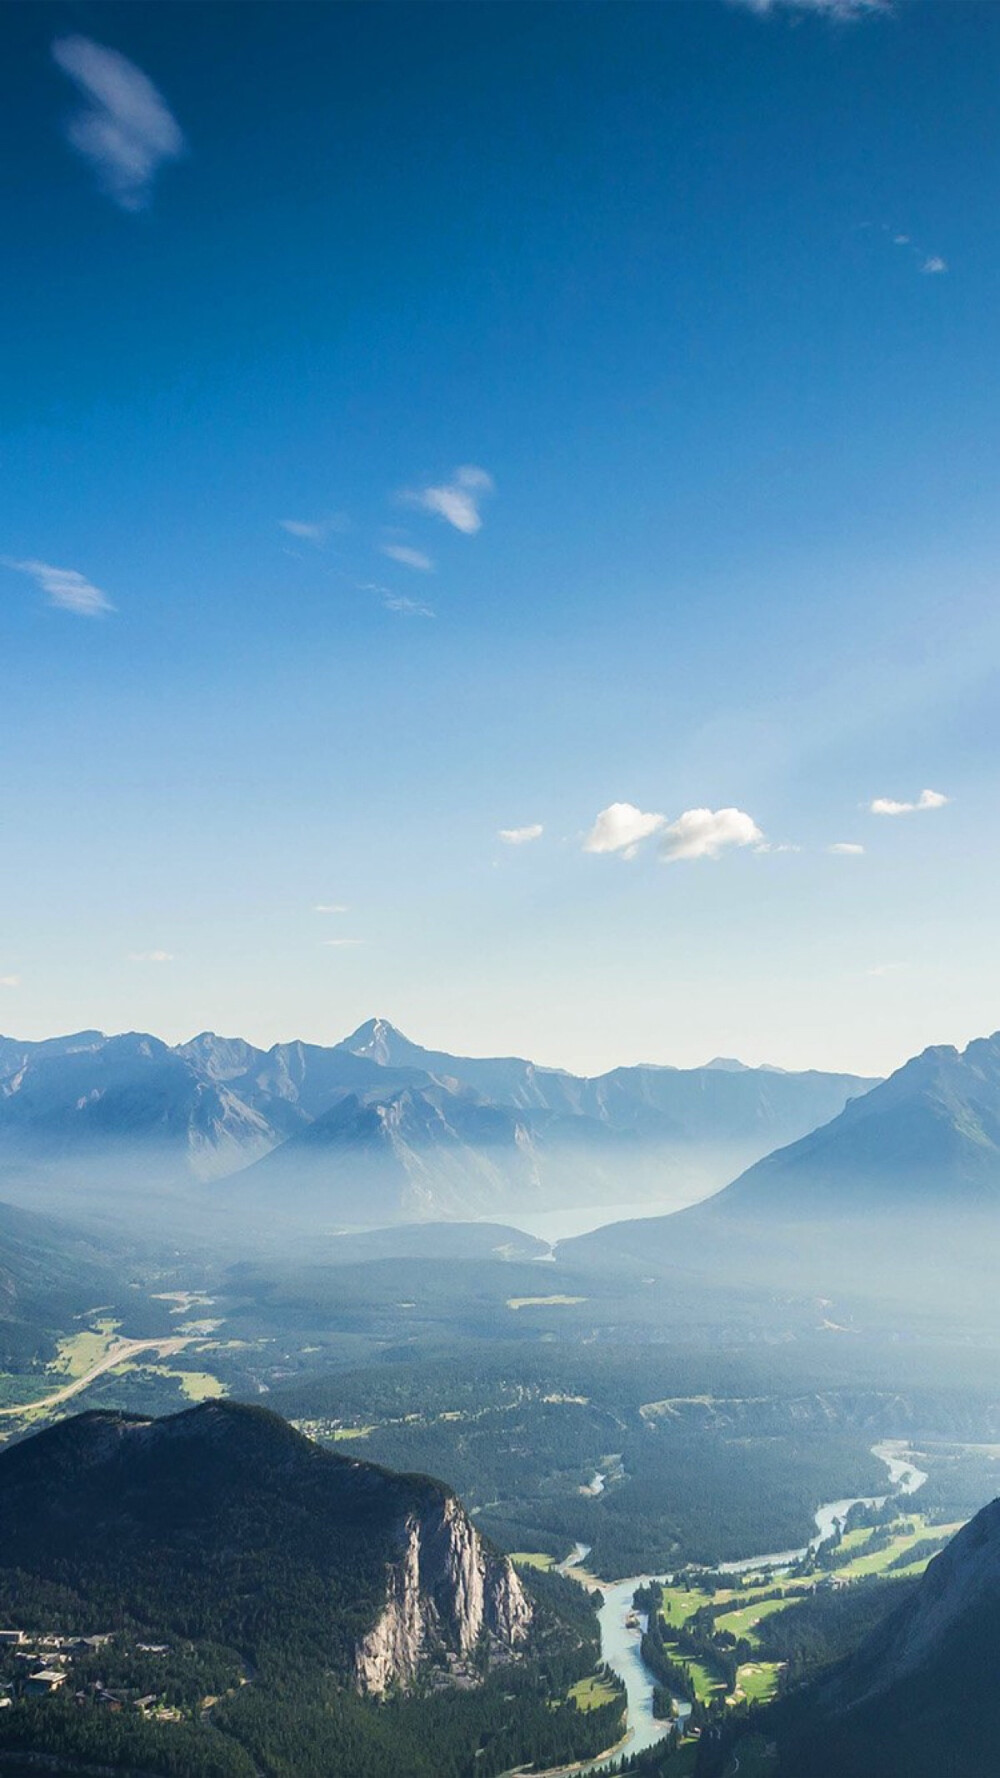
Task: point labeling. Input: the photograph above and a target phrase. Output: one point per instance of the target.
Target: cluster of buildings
(42, 1667)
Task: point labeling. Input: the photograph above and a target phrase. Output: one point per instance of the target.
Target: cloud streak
(846, 849)
(521, 836)
(457, 501)
(65, 588)
(410, 558)
(151, 956)
(124, 128)
(928, 799)
(836, 9)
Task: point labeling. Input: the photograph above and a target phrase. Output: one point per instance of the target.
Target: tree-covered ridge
(261, 1560)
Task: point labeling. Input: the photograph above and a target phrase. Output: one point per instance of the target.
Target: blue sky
(427, 423)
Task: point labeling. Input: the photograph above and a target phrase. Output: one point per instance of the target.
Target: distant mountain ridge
(898, 1191)
(379, 1127)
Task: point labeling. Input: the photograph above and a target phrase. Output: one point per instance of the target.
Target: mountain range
(909, 1170)
(378, 1128)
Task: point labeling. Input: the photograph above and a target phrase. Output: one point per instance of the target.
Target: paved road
(116, 1354)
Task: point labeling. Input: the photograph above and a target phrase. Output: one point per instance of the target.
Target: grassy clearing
(879, 1561)
(79, 1352)
(743, 1622)
(345, 1432)
(529, 1559)
(758, 1681)
(590, 1694)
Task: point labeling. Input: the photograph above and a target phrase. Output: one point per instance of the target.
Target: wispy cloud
(124, 129)
(341, 944)
(331, 907)
(838, 9)
(405, 607)
(64, 587)
(10, 981)
(151, 956)
(521, 836)
(458, 501)
(698, 833)
(410, 558)
(315, 530)
(881, 969)
(928, 799)
(846, 849)
(930, 263)
(705, 833)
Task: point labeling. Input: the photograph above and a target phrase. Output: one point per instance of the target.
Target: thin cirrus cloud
(341, 944)
(457, 501)
(836, 9)
(928, 799)
(405, 607)
(410, 558)
(698, 833)
(10, 981)
(521, 836)
(934, 265)
(331, 907)
(315, 530)
(151, 956)
(125, 128)
(65, 588)
(846, 849)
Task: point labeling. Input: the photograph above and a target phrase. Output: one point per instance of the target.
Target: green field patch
(531, 1559)
(743, 1622)
(591, 1693)
(757, 1681)
(79, 1352)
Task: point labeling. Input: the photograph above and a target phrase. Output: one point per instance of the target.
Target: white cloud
(846, 849)
(341, 944)
(928, 799)
(838, 9)
(457, 501)
(901, 240)
(315, 530)
(150, 956)
(521, 836)
(65, 587)
(698, 833)
(934, 265)
(621, 827)
(704, 833)
(10, 981)
(331, 907)
(125, 129)
(405, 607)
(410, 558)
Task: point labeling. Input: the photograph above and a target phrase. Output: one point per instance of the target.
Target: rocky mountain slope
(919, 1698)
(224, 1524)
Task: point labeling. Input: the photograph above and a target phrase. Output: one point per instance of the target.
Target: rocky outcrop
(445, 1592)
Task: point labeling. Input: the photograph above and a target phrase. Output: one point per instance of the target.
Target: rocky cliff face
(445, 1591)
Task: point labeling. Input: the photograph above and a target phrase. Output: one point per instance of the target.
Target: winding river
(620, 1641)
